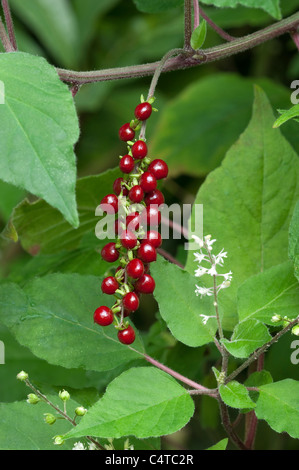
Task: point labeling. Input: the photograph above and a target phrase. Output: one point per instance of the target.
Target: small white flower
(219, 259)
(92, 446)
(198, 240)
(78, 446)
(212, 271)
(202, 291)
(199, 257)
(224, 285)
(209, 242)
(205, 318)
(200, 271)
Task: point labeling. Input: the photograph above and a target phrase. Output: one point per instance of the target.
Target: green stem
(188, 25)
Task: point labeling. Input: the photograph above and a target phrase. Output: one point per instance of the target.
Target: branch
(185, 60)
(261, 351)
(213, 25)
(188, 25)
(4, 38)
(169, 257)
(9, 24)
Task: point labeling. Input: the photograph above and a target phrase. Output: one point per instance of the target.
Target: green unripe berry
(32, 399)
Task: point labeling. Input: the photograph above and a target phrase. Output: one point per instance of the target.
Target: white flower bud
(276, 318)
(22, 376)
(58, 441)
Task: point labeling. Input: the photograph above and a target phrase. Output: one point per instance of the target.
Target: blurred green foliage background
(204, 108)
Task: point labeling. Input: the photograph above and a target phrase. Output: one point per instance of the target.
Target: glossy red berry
(126, 133)
(109, 285)
(136, 194)
(146, 284)
(110, 253)
(143, 111)
(139, 150)
(133, 221)
(147, 253)
(118, 187)
(158, 168)
(103, 316)
(128, 239)
(151, 216)
(127, 164)
(131, 301)
(126, 336)
(153, 238)
(155, 197)
(109, 204)
(148, 182)
(135, 268)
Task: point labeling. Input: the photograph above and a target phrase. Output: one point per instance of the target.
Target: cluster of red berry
(135, 203)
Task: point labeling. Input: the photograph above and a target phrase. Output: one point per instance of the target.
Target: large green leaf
(249, 200)
(54, 23)
(278, 404)
(248, 336)
(38, 129)
(274, 291)
(221, 445)
(53, 317)
(142, 402)
(157, 6)
(236, 395)
(23, 427)
(42, 229)
(185, 134)
(294, 240)
(270, 6)
(10, 196)
(179, 306)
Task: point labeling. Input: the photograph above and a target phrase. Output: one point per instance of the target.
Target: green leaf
(42, 229)
(248, 336)
(286, 116)
(180, 308)
(270, 6)
(54, 23)
(236, 395)
(278, 404)
(294, 240)
(157, 6)
(248, 202)
(185, 133)
(199, 35)
(143, 402)
(221, 445)
(53, 317)
(274, 291)
(23, 427)
(257, 379)
(38, 129)
(10, 196)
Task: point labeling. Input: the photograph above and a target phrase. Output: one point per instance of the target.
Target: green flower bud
(22, 376)
(276, 318)
(64, 395)
(49, 418)
(295, 330)
(80, 411)
(32, 399)
(58, 441)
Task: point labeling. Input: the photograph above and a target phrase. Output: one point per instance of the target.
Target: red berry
(109, 253)
(136, 194)
(103, 316)
(109, 204)
(147, 253)
(158, 168)
(133, 221)
(155, 198)
(139, 150)
(153, 238)
(146, 284)
(148, 182)
(151, 216)
(131, 301)
(126, 133)
(127, 164)
(118, 187)
(128, 239)
(126, 336)
(135, 268)
(143, 111)
(109, 285)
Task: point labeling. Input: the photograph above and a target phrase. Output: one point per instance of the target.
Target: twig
(188, 25)
(196, 14)
(295, 37)
(261, 351)
(4, 38)
(9, 24)
(175, 227)
(213, 25)
(169, 257)
(229, 427)
(184, 61)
